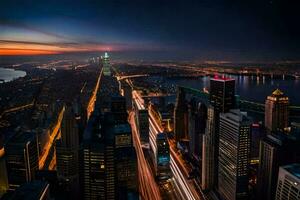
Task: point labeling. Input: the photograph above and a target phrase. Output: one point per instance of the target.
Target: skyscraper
(221, 99)
(67, 152)
(106, 64)
(197, 123)
(181, 116)
(126, 161)
(21, 158)
(275, 150)
(98, 162)
(288, 185)
(208, 151)
(221, 95)
(234, 155)
(276, 111)
(161, 151)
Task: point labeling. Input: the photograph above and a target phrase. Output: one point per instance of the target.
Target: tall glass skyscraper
(221, 94)
(234, 155)
(67, 152)
(106, 64)
(21, 158)
(221, 99)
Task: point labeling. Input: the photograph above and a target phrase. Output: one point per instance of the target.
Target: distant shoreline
(10, 74)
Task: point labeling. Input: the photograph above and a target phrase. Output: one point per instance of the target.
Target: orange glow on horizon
(14, 49)
(28, 52)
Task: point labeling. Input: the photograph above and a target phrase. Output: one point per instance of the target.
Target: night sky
(229, 30)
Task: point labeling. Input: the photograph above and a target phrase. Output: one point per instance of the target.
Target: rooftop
(293, 169)
(222, 78)
(277, 92)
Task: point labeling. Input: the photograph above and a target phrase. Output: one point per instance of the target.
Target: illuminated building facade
(162, 157)
(98, 162)
(276, 111)
(126, 161)
(275, 150)
(234, 155)
(221, 99)
(208, 150)
(67, 152)
(288, 185)
(109, 158)
(222, 94)
(105, 61)
(21, 159)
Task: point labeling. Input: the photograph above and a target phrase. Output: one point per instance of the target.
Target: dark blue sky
(234, 30)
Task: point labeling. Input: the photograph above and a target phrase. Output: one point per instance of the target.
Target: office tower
(34, 190)
(118, 108)
(126, 91)
(221, 99)
(257, 133)
(3, 170)
(276, 111)
(106, 64)
(142, 122)
(161, 153)
(126, 161)
(208, 151)
(67, 150)
(288, 185)
(234, 155)
(21, 158)
(125, 155)
(108, 144)
(222, 93)
(181, 117)
(275, 150)
(98, 161)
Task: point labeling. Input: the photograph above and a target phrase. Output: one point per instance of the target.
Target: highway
(14, 109)
(147, 186)
(53, 135)
(185, 187)
(91, 104)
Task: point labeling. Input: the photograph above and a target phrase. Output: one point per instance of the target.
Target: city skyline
(150, 100)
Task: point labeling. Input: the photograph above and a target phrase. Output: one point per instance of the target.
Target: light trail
(186, 189)
(52, 164)
(17, 108)
(53, 135)
(184, 186)
(131, 76)
(147, 185)
(91, 104)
